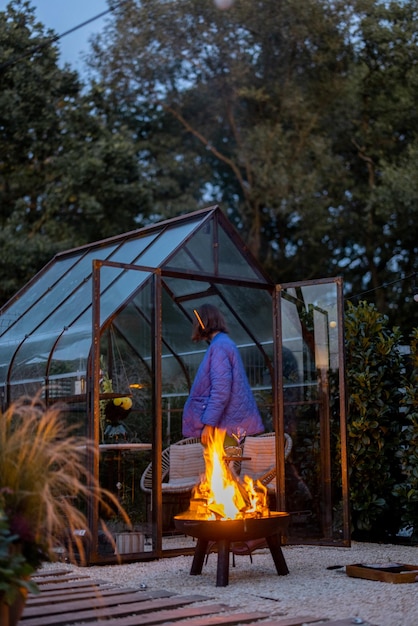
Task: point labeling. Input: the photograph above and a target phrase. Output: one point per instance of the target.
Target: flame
(221, 494)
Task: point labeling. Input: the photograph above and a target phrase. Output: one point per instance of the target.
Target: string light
(385, 285)
(415, 289)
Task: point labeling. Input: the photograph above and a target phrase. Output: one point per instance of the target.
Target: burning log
(221, 494)
(225, 508)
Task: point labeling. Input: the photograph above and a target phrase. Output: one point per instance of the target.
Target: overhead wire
(383, 286)
(55, 38)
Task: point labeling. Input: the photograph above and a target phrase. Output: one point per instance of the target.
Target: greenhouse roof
(53, 312)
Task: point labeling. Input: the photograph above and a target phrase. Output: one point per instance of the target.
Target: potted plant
(112, 410)
(44, 480)
(15, 571)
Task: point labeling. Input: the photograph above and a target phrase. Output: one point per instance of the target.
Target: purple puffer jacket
(221, 395)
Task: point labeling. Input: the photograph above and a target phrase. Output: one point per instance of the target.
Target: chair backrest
(183, 460)
(261, 451)
(186, 461)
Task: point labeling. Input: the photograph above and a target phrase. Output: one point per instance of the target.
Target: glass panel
(27, 387)
(311, 363)
(165, 243)
(184, 261)
(224, 259)
(67, 310)
(120, 471)
(36, 290)
(177, 322)
(75, 345)
(6, 354)
(71, 353)
(31, 360)
(75, 415)
(251, 327)
(130, 250)
(179, 357)
(126, 416)
(127, 425)
(248, 313)
(250, 308)
(72, 289)
(232, 262)
(134, 323)
(117, 286)
(181, 288)
(198, 253)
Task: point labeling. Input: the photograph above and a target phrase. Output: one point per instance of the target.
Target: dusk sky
(63, 15)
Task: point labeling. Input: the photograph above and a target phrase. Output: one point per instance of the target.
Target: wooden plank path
(68, 599)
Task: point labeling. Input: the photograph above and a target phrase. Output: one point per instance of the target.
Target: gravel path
(309, 589)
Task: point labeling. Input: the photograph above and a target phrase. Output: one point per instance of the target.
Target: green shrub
(374, 381)
(407, 454)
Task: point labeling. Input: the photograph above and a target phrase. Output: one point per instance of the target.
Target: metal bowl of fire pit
(226, 532)
(233, 530)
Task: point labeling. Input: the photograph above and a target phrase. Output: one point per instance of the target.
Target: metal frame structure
(144, 285)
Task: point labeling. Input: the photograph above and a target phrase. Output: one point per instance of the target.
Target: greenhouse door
(311, 408)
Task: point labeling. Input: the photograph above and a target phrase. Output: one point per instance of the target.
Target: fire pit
(227, 508)
(224, 532)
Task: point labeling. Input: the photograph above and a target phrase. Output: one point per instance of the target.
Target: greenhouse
(105, 330)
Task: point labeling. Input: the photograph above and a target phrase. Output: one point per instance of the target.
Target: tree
(68, 173)
(295, 115)
(376, 241)
(243, 98)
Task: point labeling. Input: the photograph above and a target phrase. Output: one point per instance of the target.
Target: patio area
(316, 590)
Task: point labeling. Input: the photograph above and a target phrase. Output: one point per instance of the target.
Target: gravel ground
(309, 589)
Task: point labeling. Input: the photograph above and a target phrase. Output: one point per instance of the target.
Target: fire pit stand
(226, 532)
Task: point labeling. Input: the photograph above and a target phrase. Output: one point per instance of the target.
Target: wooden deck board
(68, 599)
(224, 620)
(69, 585)
(97, 601)
(64, 596)
(163, 617)
(50, 573)
(65, 578)
(307, 619)
(297, 620)
(68, 616)
(347, 621)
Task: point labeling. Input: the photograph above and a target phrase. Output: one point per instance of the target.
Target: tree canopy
(297, 116)
(68, 174)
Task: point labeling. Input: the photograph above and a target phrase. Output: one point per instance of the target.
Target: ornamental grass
(45, 483)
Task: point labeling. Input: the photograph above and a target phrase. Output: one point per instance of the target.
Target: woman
(221, 395)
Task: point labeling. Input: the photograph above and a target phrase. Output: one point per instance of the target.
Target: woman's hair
(208, 319)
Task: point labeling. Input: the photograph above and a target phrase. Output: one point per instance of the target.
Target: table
(125, 446)
(232, 460)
